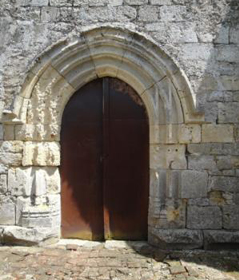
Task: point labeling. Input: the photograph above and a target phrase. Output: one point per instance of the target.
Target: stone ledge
(221, 239)
(14, 235)
(177, 239)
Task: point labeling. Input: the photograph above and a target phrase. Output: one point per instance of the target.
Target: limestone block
(199, 201)
(116, 2)
(26, 181)
(7, 211)
(223, 183)
(3, 184)
(41, 154)
(212, 149)
(24, 132)
(227, 162)
(161, 2)
(223, 35)
(174, 32)
(11, 159)
(230, 216)
(228, 53)
(234, 36)
(176, 238)
(1, 131)
(196, 52)
(53, 180)
(20, 181)
(11, 146)
(61, 2)
(194, 184)
(171, 214)
(231, 149)
(229, 82)
(213, 238)
(135, 2)
(217, 133)
(22, 203)
(3, 168)
(168, 156)
(208, 217)
(23, 236)
(39, 3)
(8, 132)
(172, 13)
(204, 162)
(148, 13)
(228, 112)
(40, 216)
(49, 14)
(189, 134)
(163, 134)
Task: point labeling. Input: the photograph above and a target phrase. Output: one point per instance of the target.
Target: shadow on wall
(217, 95)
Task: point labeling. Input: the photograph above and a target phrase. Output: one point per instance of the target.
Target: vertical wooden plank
(81, 168)
(128, 163)
(106, 120)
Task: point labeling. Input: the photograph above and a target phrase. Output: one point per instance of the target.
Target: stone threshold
(108, 244)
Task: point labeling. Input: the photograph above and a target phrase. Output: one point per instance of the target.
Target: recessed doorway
(105, 163)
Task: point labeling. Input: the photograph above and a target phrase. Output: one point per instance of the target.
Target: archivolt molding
(99, 52)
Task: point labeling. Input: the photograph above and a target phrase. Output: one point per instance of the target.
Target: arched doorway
(105, 163)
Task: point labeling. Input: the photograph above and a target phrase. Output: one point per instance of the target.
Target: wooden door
(105, 163)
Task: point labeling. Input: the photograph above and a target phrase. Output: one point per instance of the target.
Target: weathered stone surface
(176, 238)
(189, 134)
(171, 214)
(23, 236)
(11, 147)
(135, 2)
(228, 53)
(39, 3)
(202, 162)
(11, 159)
(172, 13)
(194, 184)
(3, 184)
(61, 2)
(26, 181)
(227, 162)
(168, 156)
(20, 181)
(208, 217)
(161, 2)
(228, 112)
(148, 13)
(1, 132)
(214, 238)
(8, 132)
(41, 154)
(7, 211)
(231, 217)
(217, 133)
(214, 149)
(223, 183)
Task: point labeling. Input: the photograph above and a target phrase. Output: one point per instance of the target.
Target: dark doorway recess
(105, 163)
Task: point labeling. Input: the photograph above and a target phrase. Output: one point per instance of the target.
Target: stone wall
(194, 181)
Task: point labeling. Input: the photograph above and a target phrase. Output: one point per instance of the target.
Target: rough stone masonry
(181, 56)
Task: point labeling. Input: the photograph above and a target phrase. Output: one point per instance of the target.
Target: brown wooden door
(105, 163)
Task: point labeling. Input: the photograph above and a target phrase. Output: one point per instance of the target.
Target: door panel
(127, 190)
(105, 162)
(81, 169)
